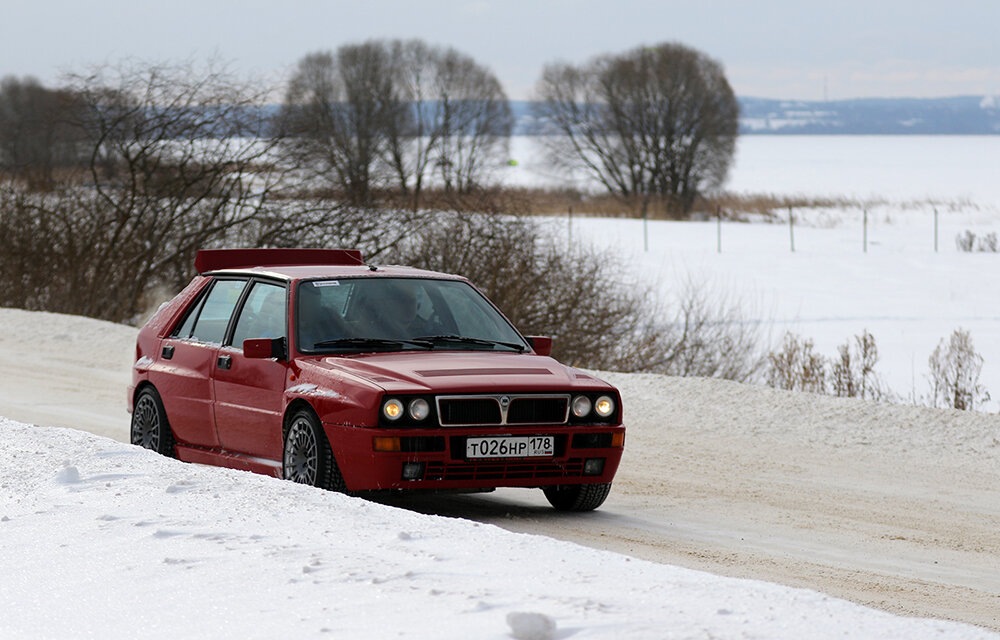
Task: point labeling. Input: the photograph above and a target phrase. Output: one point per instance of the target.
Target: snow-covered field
(905, 293)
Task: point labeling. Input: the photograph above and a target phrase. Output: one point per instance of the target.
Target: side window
(216, 311)
(184, 331)
(263, 315)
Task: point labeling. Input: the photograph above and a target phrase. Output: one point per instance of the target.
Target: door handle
(225, 362)
(168, 352)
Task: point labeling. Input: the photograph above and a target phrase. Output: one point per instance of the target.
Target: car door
(249, 392)
(191, 351)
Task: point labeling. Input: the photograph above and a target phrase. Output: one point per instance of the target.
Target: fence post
(718, 217)
(935, 230)
(570, 226)
(645, 230)
(791, 228)
(865, 235)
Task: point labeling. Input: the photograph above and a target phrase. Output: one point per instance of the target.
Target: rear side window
(213, 319)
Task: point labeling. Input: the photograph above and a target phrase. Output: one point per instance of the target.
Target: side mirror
(541, 344)
(265, 348)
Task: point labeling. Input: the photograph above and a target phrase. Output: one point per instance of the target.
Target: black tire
(150, 428)
(577, 497)
(307, 457)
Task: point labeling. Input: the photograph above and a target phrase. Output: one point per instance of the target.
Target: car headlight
(581, 406)
(419, 409)
(604, 406)
(392, 409)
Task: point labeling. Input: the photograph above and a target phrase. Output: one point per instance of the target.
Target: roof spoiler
(216, 259)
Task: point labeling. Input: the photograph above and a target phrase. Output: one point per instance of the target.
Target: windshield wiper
(479, 341)
(372, 342)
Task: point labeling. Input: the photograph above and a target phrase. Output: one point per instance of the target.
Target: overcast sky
(780, 49)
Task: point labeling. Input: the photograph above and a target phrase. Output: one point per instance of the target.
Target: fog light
(604, 406)
(414, 470)
(593, 467)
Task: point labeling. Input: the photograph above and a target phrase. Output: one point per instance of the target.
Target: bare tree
(396, 112)
(36, 134)
(475, 120)
(176, 161)
(652, 123)
(337, 113)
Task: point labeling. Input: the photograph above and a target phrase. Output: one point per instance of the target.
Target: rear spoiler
(216, 259)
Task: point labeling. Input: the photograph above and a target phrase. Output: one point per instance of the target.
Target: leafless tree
(36, 134)
(655, 123)
(474, 117)
(175, 163)
(338, 110)
(396, 112)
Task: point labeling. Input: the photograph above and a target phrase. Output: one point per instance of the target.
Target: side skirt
(220, 458)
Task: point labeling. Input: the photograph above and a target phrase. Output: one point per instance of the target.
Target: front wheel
(308, 458)
(577, 497)
(150, 428)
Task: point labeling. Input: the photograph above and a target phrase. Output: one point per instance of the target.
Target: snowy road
(894, 507)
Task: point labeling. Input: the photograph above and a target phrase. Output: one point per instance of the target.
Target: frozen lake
(896, 168)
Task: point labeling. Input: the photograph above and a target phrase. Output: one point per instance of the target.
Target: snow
(129, 543)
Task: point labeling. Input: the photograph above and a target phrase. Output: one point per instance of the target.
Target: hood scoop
(510, 371)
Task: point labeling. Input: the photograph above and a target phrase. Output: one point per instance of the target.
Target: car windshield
(397, 314)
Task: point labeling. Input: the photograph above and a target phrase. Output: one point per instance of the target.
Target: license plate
(510, 447)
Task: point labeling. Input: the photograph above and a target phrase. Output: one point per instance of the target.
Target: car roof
(312, 272)
(302, 264)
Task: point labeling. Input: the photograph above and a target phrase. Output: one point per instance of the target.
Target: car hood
(458, 371)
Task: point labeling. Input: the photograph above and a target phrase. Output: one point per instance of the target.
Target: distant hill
(968, 115)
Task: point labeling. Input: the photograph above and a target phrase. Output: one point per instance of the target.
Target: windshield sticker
(326, 283)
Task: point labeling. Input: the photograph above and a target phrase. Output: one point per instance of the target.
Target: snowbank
(101, 539)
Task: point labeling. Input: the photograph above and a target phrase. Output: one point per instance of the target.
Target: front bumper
(441, 463)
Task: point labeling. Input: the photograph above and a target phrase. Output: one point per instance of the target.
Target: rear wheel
(150, 428)
(308, 458)
(577, 497)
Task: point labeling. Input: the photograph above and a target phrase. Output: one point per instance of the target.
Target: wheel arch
(296, 405)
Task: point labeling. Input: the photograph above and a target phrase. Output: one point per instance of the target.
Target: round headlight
(604, 406)
(419, 409)
(392, 409)
(581, 406)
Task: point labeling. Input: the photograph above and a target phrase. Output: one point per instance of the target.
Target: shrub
(796, 366)
(967, 242)
(954, 373)
(853, 370)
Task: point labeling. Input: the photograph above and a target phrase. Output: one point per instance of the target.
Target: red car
(310, 365)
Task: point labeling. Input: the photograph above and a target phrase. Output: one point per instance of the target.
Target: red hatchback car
(310, 365)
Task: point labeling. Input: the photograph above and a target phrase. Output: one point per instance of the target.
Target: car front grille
(500, 409)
